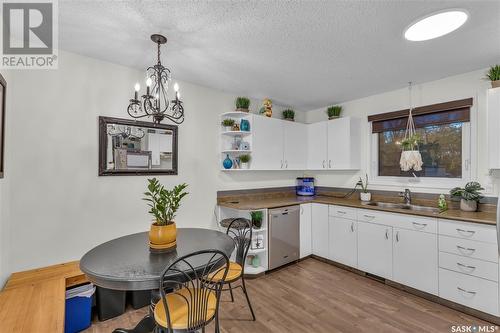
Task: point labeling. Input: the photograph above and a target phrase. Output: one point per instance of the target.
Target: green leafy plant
(164, 203)
(363, 184)
(470, 192)
(256, 218)
(334, 111)
(228, 122)
(245, 158)
(494, 73)
(242, 103)
(288, 114)
(411, 143)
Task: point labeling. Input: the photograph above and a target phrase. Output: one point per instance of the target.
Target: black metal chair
(189, 297)
(240, 230)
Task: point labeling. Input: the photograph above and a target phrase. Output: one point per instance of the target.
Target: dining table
(127, 263)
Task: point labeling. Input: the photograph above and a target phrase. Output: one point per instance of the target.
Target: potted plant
(469, 196)
(364, 194)
(163, 205)
(289, 114)
(494, 76)
(256, 219)
(228, 124)
(334, 111)
(242, 104)
(245, 160)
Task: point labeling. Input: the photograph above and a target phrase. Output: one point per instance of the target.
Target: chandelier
(155, 102)
(125, 132)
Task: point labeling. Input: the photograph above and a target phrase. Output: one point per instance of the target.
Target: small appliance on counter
(305, 186)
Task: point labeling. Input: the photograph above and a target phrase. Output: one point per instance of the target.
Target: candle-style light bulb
(148, 85)
(178, 95)
(176, 87)
(137, 87)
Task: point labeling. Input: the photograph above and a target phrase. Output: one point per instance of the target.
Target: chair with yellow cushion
(240, 231)
(189, 299)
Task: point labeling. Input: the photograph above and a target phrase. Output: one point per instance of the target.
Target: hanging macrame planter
(410, 156)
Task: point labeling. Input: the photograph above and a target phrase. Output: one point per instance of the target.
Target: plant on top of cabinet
(245, 160)
(256, 216)
(242, 104)
(494, 76)
(228, 124)
(334, 111)
(289, 114)
(469, 196)
(163, 205)
(364, 194)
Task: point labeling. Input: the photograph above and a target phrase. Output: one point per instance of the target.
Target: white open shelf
(233, 151)
(236, 114)
(250, 270)
(236, 133)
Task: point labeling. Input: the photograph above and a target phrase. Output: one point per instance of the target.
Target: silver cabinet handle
(369, 216)
(281, 164)
(352, 226)
(386, 234)
(467, 291)
(419, 225)
(330, 164)
(466, 266)
(468, 233)
(301, 210)
(286, 164)
(324, 164)
(341, 212)
(397, 236)
(461, 249)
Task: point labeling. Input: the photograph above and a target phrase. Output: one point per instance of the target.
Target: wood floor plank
(313, 296)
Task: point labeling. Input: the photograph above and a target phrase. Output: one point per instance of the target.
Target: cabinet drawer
(368, 215)
(344, 212)
(483, 269)
(464, 230)
(403, 221)
(468, 248)
(469, 290)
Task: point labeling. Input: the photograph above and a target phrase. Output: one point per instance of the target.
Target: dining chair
(189, 299)
(240, 230)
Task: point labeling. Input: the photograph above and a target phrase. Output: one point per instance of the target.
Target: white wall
(456, 87)
(55, 207)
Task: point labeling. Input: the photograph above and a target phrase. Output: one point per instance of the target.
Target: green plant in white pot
(364, 195)
(494, 76)
(469, 196)
(228, 124)
(245, 161)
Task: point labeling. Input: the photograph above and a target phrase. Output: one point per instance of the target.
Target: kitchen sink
(403, 206)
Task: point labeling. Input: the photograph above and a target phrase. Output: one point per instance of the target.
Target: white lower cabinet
(305, 230)
(375, 249)
(319, 214)
(343, 241)
(415, 262)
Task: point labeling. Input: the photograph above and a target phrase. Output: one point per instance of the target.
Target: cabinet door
(317, 146)
(343, 241)
(416, 260)
(305, 230)
(154, 148)
(343, 144)
(375, 249)
(267, 138)
(295, 143)
(320, 230)
(493, 114)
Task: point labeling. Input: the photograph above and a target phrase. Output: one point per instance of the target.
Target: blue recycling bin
(78, 308)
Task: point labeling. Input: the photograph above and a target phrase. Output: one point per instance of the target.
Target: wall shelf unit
(232, 143)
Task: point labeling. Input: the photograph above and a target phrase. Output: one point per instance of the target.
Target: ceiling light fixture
(436, 25)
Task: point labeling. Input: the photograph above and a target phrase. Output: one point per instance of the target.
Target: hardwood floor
(313, 296)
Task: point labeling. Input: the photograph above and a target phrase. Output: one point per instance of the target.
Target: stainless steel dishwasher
(284, 241)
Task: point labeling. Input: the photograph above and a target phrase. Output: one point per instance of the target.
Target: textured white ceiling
(305, 54)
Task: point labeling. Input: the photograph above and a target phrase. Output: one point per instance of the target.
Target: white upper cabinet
(344, 144)
(494, 128)
(317, 140)
(295, 145)
(267, 151)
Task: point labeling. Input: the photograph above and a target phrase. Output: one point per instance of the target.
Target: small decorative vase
(228, 128)
(245, 165)
(365, 196)
(495, 84)
(256, 261)
(333, 117)
(227, 163)
(244, 125)
(468, 205)
(290, 119)
(257, 224)
(162, 236)
(242, 110)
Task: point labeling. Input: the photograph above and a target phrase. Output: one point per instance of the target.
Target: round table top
(126, 263)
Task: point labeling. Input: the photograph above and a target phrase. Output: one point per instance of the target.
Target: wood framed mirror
(129, 147)
(3, 90)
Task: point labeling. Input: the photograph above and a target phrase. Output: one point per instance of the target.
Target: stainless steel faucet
(406, 196)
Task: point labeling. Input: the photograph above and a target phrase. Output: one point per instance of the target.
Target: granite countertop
(245, 203)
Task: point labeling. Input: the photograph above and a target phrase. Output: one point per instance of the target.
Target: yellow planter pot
(162, 236)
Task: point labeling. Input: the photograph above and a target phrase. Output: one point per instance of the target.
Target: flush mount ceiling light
(436, 25)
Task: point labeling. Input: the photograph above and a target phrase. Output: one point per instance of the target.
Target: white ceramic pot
(365, 196)
(468, 205)
(245, 165)
(228, 128)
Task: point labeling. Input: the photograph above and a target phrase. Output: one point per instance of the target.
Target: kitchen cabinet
(295, 145)
(343, 241)
(317, 142)
(267, 137)
(344, 144)
(415, 261)
(319, 223)
(305, 230)
(493, 115)
(375, 249)
(156, 144)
